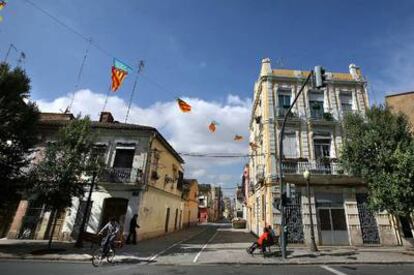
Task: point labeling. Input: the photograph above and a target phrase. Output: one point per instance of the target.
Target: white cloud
(187, 132)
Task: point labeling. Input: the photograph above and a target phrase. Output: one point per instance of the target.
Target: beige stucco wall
(161, 195)
(402, 103)
(190, 213)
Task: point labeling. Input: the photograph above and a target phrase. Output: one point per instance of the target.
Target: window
(322, 148)
(124, 158)
(346, 101)
(316, 105)
(289, 145)
(283, 102)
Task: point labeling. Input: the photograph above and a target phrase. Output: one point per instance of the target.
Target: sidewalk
(227, 246)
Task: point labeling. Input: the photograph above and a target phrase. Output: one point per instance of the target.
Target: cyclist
(112, 229)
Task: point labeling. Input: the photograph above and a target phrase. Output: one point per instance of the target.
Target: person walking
(132, 232)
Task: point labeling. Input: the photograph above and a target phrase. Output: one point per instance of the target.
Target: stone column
(385, 229)
(18, 220)
(352, 217)
(306, 216)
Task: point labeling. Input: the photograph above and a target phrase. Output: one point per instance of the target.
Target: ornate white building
(313, 139)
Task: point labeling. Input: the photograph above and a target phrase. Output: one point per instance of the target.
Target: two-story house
(312, 141)
(143, 175)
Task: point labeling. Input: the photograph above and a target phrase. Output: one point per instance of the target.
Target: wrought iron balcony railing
(314, 167)
(121, 175)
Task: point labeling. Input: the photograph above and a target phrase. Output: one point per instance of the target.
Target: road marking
(334, 271)
(171, 246)
(204, 247)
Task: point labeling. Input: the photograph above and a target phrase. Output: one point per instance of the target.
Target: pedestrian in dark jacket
(132, 232)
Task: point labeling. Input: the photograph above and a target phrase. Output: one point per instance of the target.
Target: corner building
(312, 141)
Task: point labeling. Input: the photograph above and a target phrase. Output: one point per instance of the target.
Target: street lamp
(306, 175)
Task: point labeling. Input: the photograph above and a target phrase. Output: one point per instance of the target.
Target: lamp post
(306, 175)
(79, 241)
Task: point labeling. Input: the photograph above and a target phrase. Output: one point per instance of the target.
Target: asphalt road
(45, 268)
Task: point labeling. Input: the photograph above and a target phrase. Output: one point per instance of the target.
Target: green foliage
(67, 165)
(18, 132)
(380, 149)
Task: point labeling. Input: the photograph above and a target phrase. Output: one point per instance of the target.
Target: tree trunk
(55, 216)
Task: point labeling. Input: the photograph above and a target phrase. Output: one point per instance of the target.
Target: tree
(18, 133)
(380, 149)
(66, 168)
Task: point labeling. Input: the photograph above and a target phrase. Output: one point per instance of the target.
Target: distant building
(204, 202)
(190, 197)
(228, 208)
(143, 175)
(402, 102)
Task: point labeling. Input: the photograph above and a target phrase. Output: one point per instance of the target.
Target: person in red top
(259, 242)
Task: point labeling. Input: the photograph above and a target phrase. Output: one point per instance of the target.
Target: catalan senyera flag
(213, 126)
(119, 72)
(2, 4)
(184, 106)
(238, 138)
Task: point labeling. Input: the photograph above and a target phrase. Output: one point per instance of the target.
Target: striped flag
(119, 72)
(213, 126)
(2, 4)
(184, 106)
(238, 138)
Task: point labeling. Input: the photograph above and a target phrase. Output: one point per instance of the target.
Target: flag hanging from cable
(238, 138)
(184, 106)
(213, 126)
(119, 72)
(2, 4)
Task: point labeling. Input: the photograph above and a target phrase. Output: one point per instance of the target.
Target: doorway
(167, 220)
(331, 219)
(114, 207)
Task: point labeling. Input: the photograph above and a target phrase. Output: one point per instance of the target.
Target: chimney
(106, 117)
(266, 67)
(355, 71)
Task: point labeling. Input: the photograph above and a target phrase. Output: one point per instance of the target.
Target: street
(214, 249)
(35, 268)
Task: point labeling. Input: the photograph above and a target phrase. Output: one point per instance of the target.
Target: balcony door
(124, 158)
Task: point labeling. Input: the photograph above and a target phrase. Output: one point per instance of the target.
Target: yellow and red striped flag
(238, 138)
(119, 72)
(213, 126)
(2, 4)
(184, 106)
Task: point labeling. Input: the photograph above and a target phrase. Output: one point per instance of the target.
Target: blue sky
(206, 51)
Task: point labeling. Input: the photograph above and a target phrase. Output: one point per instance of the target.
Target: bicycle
(98, 255)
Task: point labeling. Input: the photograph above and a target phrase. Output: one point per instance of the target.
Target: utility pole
(282, 191)
(319, 82)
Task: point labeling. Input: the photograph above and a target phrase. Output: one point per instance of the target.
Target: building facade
(190, 197)
(312, 141)
(404, 103)
(143, 175)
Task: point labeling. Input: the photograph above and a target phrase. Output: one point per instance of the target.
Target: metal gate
(31, 220)
(294, 220)
(369, 228)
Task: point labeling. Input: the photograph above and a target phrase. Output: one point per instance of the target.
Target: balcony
(122, 175)
(297, 167)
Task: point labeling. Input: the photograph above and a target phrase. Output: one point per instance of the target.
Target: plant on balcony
(327, 116)
(379, 148)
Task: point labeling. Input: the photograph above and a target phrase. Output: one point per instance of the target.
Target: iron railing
(121, 175)
(314, 167)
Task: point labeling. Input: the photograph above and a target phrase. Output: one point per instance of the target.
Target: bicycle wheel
(111, 255)
(97, 257)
